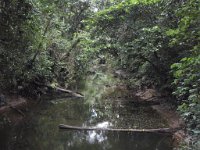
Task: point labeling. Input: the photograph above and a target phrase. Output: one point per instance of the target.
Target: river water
(39, 129)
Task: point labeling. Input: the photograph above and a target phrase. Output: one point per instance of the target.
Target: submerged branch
(159, 130)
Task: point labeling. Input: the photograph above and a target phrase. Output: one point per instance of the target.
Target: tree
(40, 42)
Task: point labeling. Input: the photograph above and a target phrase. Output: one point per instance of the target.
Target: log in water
(159, 130)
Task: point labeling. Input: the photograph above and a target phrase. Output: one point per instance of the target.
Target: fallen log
(159, 130)
(68, 91)
(78, 95)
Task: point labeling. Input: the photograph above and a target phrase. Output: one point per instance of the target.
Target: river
(100, 108)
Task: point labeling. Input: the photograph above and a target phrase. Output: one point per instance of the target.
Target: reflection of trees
(115, 141)
(123, 115)
(120, 112)
(83, 140)
(94, 136)
(41, 131)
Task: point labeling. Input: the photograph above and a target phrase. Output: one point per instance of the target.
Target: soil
(166, 111)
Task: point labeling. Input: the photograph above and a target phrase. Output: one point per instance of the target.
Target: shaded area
(39, 130)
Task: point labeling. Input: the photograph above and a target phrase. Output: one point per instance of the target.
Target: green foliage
(158, 43)
(44, 45)
(135, 33)
(186, 71)
(54, 42)
(187, 83)
(13, 43)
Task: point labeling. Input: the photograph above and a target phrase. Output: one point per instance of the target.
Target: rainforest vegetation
(54, 42)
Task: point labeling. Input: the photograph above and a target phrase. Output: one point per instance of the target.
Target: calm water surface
(39, 130)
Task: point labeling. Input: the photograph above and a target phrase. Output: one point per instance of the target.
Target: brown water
(39, 130)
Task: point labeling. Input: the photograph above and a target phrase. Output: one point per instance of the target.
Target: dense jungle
(99, 74)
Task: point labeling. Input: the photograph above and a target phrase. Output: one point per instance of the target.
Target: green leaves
(158, 42)
(45, 41)
(187, 83)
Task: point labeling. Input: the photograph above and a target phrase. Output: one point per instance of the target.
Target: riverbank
(13, 102)
(106, 99)
(167, 111)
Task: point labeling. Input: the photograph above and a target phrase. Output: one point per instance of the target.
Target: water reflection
(39, 131)
(102, 140)
(96, 136)
(119, 111)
